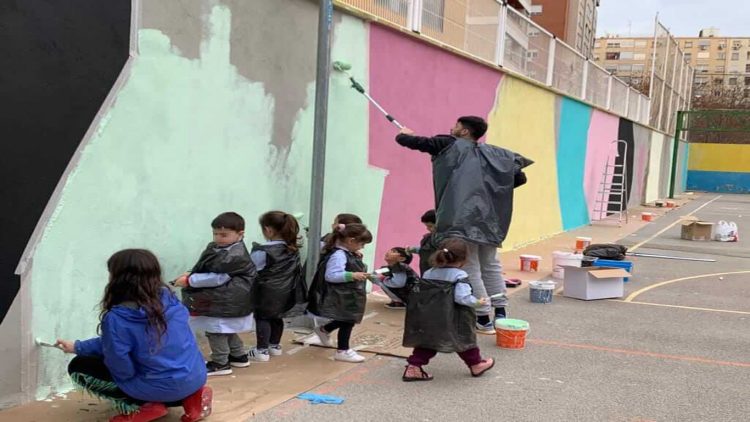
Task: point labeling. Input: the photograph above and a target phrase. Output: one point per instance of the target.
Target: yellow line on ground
(653, 286)
(693, 308)
(638, 245)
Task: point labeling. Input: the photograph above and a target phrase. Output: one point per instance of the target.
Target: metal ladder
(613, 194)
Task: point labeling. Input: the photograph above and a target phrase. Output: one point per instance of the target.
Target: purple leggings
(421, 356)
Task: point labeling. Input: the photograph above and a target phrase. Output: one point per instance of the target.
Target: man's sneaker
(395, 305)
(325, 339)
(214, 368)
(275, 350)
(239, 361)
(256, 355)
(348, 356)
(488, 328)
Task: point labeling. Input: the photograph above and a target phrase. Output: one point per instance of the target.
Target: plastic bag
(726, 231)
(606, 251)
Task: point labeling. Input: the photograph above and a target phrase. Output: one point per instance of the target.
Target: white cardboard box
(589, 283)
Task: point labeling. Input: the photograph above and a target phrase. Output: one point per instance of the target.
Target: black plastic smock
(233, 298)
(280, 284)
(338, 301)
(435, 321)
(474, 185)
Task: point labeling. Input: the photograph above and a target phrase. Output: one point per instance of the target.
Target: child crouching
(397, 278)
(440, 315)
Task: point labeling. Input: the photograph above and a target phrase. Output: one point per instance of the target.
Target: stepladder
(612, 193)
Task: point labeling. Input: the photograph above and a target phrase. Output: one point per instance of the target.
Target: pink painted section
(426, 89)
(602, 131)
(640, 165)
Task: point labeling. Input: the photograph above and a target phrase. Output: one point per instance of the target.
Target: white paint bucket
(560, 258)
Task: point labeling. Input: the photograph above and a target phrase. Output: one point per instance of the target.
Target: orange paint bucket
(582, 243)
(647, 216)
(671, 204)
(530, 263)
(511, 333)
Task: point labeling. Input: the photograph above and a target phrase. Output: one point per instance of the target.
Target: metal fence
(497, 34)
(671, 81)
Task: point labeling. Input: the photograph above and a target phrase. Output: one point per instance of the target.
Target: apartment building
(718, 61)
(572, 21)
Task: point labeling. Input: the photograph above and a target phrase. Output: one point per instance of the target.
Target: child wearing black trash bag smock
(440, 315)
(338, 291)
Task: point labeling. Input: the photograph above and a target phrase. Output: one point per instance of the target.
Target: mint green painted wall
(185, 140)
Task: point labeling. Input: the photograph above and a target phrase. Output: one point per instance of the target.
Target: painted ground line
(657, 234)
(663, 283)
(639, 353)
(692, 308)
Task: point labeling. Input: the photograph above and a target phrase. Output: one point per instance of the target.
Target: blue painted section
(571, 162)
(684, 167)
(718, 181)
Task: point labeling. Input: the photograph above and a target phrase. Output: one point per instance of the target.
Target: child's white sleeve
(463, 296)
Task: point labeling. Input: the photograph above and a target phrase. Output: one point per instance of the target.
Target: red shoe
(147, 412)
(198, 405)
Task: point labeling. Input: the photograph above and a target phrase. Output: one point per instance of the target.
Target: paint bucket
(541, 291)
(560, 258)
(671, 204)
(511, 333)
(582, 243)
(647, 216)
(530, 263)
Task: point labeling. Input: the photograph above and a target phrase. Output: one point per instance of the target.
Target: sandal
(482, 367)
(421, 376)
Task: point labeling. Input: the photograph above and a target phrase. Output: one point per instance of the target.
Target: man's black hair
(404, 254)
(230, 221)
(476, 126)
(429, 217)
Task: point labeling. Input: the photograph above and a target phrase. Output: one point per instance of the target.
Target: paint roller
(38, 341)
(344, 68)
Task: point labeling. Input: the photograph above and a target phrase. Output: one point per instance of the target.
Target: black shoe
(500, 312)
(395, 305)
(214, 368)
(241, 361)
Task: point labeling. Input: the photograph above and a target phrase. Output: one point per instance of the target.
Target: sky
(682, 17)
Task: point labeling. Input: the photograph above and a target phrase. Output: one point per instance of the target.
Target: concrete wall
(214, 111)
(719, 168)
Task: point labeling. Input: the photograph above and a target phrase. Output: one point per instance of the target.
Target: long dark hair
(450, 253)
(356, 231)
(135, 276)
(285, 225)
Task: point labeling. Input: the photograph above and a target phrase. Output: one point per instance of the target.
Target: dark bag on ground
(338, 301)
(435, 321)
(606, 251)
(233, 298)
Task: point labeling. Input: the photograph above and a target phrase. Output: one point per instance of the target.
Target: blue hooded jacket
(167, 372)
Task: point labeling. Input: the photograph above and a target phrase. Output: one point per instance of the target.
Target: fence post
(627, 102)
(675, 153)
(663, 87)
(551, 61)
(609, 92)
(585, 78)
(414, 16)
(500, 47)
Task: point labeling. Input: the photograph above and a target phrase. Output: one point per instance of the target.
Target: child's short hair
(476, 126)
(230, 221)
(404, 254)
(450, 251)
(346, 218)
(429, 217)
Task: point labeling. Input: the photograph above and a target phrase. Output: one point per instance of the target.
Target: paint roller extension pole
(322, 77)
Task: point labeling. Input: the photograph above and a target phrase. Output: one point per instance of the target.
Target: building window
(735, 56)
(688, 44)
(626, 55)
(640, 44)
(432, 11)
(613, 44)
(532, 54)
(722, 46)
(703, 68)
(613, 55)
(597, 44)
(747, 68)
(732, 81)
(688, 56)
(704, 55)
(721, 56)
(624, 68)
(611, 69)
(639, 56)
(736, 45)
(747, 81)
(748, 56)
(638, 68)
(719, 69)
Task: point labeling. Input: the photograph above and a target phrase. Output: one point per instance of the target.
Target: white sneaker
(256, 355)
(325, 339)
(348, 356)
(275, 350)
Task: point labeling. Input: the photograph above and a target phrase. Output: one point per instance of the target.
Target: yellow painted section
(523, 121)
(720, 157)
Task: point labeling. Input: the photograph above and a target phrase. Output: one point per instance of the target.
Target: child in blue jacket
(146, 357)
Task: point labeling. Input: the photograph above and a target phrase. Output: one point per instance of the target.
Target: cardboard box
(694, 229)
(589, 283)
